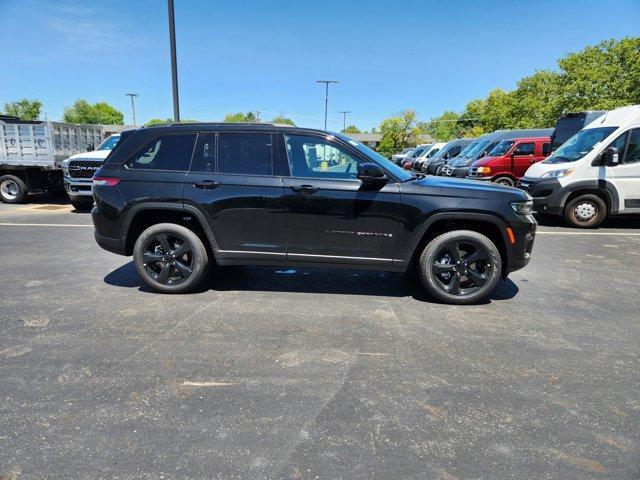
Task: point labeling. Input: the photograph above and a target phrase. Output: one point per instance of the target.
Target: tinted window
(546, 149)
(167, 152)
(245, 153)
(204, 158)
(620, 143)
(580, 144)
(633, 148)
(525, 149)
(320, 158)
(501, 149)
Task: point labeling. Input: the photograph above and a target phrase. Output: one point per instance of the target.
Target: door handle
(206, 184)
(304, 188)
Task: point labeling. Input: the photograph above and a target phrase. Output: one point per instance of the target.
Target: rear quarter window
(165, 152)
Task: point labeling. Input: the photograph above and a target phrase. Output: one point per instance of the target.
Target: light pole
(344, 119)
(133, 106)
(174, 65)
(326, 97)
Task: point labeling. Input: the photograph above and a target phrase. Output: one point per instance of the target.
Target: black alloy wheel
(170, 258)
(460, 266)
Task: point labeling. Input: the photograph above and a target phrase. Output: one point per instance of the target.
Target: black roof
(204, 126)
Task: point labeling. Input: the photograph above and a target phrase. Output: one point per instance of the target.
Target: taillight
(105, 181)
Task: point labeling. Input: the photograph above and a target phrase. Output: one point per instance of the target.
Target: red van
(508, 160)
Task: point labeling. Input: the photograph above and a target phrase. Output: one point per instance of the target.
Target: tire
(153, 256)
(585, 211)
(12, 189)
(440, 271)
(82, 206)
(508, 181)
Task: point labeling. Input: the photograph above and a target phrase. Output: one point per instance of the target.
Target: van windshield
(501, 148)
(477, 149)
(580, 144)
(468, 149)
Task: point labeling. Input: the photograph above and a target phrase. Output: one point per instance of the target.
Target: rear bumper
(111, 244)
(548, 195)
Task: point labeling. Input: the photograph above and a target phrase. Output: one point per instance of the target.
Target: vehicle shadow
(620, 221)
(307, 280)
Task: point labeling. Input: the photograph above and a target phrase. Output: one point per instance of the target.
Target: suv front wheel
(460, 267)
(170, 258)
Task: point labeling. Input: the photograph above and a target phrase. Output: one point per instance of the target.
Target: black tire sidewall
(432, 249)
(501, 181)
(198, 250)
(597, 220)
(21, 185)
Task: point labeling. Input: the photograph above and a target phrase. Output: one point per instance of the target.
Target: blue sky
(240, 55)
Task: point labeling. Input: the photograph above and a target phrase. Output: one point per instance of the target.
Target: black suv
(182, 197)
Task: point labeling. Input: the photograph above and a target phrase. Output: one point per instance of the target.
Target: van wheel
(460, 267)
(585, 211)
(12, 189)
(170, 258)
(508, 181)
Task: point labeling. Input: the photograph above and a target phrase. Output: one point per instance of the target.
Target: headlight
(558, 173)
(523, 208)
(484, 170)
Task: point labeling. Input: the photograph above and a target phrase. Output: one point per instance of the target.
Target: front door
(523, 157)
(234, 181)
(626, 175)
(331, 215)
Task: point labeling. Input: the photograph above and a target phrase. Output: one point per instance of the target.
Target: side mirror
(610, 157)
(90, 148)
(371, 173)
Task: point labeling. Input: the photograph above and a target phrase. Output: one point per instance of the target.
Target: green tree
(442, 128)
(282, 119)
(240, 117)
(350, 130)
(498, 113)
(168, 121)
(536, 100)
(98, 113)
(25, 109)
(398, 132)
(470, 121)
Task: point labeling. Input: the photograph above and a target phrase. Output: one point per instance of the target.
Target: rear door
(523, 157)
(234, 181)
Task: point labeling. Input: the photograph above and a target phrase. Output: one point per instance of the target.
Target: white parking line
(619, 234)
(7, 224)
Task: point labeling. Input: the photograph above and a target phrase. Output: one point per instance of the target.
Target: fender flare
(602, 185)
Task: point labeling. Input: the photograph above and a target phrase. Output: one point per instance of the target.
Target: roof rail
(233, 123)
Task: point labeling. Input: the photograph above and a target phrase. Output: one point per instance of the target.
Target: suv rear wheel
(585, 211)
(170, 258)
(460, 267)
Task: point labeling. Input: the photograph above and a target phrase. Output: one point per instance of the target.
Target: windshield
(109, 143)
(580, 144)
(468, 149)
(397, 171)
(501, 148)
(477, 148)
(417, 152)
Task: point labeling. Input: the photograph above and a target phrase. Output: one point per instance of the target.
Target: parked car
(181, 198)
(427, 154)
(488, 143)
(31, 154)
(419, 150)
(571, 123)
(594, 174)
(450, 150)
(508, 161)
(399, 157)
(78, 170)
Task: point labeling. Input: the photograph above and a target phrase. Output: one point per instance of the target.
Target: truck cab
(510, 159)
(79, 169)
(594, 174)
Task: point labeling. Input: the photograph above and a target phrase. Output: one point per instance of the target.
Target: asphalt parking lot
(312, 373)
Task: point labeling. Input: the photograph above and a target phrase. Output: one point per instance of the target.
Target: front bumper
(548, 195)
(524, 232)
(457, 172)
(78, 188)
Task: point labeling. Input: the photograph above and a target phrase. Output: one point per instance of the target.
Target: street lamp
(326, 97)
(174, 65)
(133, 106)
(344, 119)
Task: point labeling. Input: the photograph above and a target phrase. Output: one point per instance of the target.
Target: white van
(593, 174)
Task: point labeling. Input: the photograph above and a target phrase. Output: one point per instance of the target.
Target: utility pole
(133, 106)
(326, 97)
(174, 65)
(344, 119)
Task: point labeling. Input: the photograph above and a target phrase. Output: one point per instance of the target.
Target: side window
(546, 149)
(204, 158)
(319, 158)
(167, 152)
(620, 143)
(245, 153)
(525, 149)
(633, 147)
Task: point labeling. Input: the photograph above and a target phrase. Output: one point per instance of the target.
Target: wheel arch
(489, 225)
(601, 188)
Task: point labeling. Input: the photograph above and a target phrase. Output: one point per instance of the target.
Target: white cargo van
(593, 174)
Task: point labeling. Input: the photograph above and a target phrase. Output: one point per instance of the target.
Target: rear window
(245, 153)
(166, 152)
